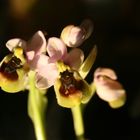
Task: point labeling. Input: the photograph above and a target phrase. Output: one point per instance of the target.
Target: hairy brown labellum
(8, 69)
(70, 85)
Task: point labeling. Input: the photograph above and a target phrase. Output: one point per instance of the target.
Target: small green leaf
(87, 64)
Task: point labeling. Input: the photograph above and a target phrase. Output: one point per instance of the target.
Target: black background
(117, 35)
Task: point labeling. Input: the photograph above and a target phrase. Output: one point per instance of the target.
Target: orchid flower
(70, 88)
(15, 66)
(57, 51)
(67, 70)
(108, 88)
(13, 71)
(59, 65)
(33, 49)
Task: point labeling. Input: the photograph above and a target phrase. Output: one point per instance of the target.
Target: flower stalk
(36, 108)
(78, 122)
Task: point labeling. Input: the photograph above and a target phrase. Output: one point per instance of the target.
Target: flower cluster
(60, 63)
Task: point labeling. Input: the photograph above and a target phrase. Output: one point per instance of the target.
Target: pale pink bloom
(35, 54)
(32, 48)
(15, 66)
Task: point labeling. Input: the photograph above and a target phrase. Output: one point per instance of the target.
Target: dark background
(117, 35)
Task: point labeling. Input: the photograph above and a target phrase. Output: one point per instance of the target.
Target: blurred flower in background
(20, 8)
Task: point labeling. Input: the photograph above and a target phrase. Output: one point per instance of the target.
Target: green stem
(36, 108)
(78, 122)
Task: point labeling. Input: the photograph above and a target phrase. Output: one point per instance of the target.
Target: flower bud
(73, 36)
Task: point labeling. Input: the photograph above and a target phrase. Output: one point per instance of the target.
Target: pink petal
(43, 83)
(16, 42)
(46, 72)
(36, 44)
(30, 55)
(42, 61)
(56, 49)
(74, 58)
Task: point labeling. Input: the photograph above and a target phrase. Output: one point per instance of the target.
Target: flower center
(69, 84)
(9, 69)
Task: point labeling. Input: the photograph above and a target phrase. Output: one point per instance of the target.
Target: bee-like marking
(13, 64)
(69, 84)
(8, 69)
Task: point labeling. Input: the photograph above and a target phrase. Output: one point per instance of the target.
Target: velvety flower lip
(13, 71)
(8, 69)
(107, 86)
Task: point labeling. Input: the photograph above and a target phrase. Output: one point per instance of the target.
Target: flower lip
(11, 76)
(8, 69)
(13, 64)
(70, 85)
